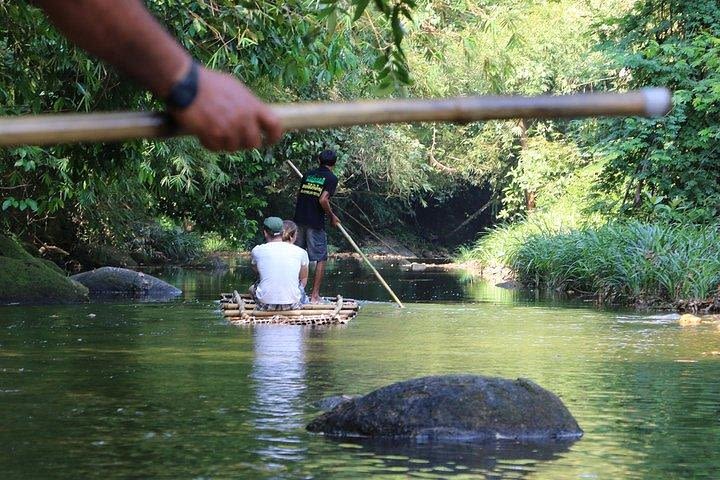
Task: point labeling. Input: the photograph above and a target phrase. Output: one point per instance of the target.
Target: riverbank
(645, 265)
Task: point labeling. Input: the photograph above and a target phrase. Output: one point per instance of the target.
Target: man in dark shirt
(313, 205)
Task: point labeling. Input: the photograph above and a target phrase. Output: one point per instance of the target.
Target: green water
(170, 390)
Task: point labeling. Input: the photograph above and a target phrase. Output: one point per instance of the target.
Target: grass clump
(628, 262)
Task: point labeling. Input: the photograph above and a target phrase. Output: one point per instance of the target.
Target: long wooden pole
(357, 248)
(49, 129)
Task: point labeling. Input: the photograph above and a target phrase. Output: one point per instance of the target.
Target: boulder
(121, 281)
(29, 280)
(453, 407)
(328, 403)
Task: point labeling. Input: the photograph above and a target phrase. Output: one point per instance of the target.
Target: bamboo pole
(357, 249)
(377, 274)
(49, 129)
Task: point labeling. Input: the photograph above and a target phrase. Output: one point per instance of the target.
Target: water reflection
(278, 374)
(352, 279)
(173, 391)
(520, 458)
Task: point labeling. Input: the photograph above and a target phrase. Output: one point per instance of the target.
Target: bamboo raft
(240, 310)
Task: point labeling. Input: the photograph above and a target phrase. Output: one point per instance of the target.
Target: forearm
(325, 205)
(303, 276)
(124, 34)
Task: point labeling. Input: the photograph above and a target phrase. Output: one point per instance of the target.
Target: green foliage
(163, 242)
(670, 161)
(546, 167)
(629, 262)
(567, 204)
(214, 242)
(284, 51)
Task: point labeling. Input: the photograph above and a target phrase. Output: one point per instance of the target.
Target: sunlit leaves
(672, 159)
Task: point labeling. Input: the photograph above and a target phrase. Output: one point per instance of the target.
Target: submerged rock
(688, 319)
(28, 280)
(121, 281)
(453, 407)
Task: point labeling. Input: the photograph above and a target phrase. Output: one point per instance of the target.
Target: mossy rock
(29, 280)
(453, 407)
(53, 266)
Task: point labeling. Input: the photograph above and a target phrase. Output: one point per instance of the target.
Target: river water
(142, 390)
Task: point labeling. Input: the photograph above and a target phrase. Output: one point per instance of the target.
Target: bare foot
(315, 298)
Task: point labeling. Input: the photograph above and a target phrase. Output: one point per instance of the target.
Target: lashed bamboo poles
(49, 129)
(357, 249)
(242, 309)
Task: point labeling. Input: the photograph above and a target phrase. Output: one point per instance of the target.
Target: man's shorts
(314, 240)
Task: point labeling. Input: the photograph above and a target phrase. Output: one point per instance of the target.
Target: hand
(226, 116)
(334, 221)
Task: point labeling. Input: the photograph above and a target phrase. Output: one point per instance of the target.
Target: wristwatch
(183, 93)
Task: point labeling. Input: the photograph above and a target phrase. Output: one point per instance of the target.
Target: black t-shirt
(308, 211)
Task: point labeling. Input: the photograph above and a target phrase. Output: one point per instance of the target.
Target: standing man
(313, 205)
(214, 106)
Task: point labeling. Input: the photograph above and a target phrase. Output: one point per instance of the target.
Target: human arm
(225, 115)
(303, 277)
(325, 205)
(253, 262)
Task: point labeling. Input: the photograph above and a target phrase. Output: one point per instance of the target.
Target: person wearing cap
(282, 268)
(311, 209)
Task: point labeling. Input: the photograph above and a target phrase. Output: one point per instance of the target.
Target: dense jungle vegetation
(531, 180)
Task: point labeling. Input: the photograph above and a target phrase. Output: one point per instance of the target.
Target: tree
(668, 164)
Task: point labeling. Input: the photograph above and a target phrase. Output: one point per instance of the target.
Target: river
(145, 390)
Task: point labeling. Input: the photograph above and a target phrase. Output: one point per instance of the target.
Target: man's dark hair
(327, 157)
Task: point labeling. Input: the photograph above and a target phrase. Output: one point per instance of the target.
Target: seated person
(289, 235)
(282, 268)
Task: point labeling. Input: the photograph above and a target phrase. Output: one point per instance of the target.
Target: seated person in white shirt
(282, 267)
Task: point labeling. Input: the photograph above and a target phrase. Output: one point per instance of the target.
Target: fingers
(252, 138)
(270, 124)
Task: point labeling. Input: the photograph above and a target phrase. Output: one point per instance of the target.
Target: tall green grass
(631, 262)
(500, 245)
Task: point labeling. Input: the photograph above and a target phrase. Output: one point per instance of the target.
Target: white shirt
(279, 266)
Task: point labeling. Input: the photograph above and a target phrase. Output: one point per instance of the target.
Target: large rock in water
(121, 281)
(453, 407)
(25, 279)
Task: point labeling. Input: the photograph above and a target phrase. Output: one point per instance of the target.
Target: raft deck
(239, 309)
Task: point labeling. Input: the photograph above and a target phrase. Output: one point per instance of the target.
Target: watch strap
(183, 93)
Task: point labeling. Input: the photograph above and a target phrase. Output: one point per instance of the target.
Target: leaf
(380, 62)
(332, 22)
(359, 9)
(8, 203)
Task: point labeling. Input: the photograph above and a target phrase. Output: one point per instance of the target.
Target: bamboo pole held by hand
(49, 129)
(372, 267)
(357, 248)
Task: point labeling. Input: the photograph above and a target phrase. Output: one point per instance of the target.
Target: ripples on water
(170, 390)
